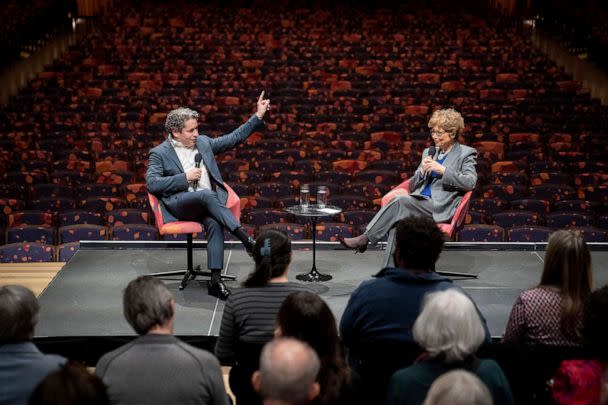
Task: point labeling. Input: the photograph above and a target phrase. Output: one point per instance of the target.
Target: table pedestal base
(313, 276)
(313, 213)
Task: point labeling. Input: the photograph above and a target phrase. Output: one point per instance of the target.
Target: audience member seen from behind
(288, 373)
(552, 312)
(22, 365)
(250, 312)
(306, 317)
(458, 387)
(376, 326)
(450, 331)
(583, 380)
(73, 384)
(371, 316)
(158, 368)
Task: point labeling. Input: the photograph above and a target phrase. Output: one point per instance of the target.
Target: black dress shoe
(245, 239)
(218, 289)
(249, 246)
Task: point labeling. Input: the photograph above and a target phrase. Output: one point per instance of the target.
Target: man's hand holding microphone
(194, 175)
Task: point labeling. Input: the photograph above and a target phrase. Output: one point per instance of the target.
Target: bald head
(288, 372)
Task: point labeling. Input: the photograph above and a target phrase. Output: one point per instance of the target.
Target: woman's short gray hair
(147, 303)
(449, 326)
(449, 120)
(458, 387)
(176, 119)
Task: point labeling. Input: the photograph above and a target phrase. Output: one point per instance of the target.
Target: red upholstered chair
(189, 228)
(448, 229)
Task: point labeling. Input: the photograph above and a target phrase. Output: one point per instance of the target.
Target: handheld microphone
(432, 151)
(197, 164)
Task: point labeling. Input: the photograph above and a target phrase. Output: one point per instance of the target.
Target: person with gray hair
(458, 387)
(184, 175)
(371, 329)
(450, 331)
(288, 373)
(22, 365)
(156, 367)
(446, 172)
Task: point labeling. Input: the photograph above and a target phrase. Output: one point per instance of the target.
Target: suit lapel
(453, 156)
(200, 146)
(172, 155)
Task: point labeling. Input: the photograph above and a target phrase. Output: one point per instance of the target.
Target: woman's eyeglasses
(438, 133)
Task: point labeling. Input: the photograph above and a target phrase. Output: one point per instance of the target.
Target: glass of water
(322, 196)
(304, 196)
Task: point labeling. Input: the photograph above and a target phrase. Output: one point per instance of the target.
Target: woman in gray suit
(446, 172)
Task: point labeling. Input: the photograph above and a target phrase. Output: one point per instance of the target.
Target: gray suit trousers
(384, 221)
(204, 206)
(398, 208)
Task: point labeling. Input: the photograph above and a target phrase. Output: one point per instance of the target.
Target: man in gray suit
(446, 172)
(183, 174)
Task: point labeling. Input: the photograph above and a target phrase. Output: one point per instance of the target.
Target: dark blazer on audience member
(385, 308)
(410, 385)
(22, 367)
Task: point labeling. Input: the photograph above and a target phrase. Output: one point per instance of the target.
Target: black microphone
(432, 151)
(197, 164)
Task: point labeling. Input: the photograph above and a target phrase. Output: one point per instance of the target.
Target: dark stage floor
(85, 298)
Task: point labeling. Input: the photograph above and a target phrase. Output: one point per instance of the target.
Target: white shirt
(186, 158)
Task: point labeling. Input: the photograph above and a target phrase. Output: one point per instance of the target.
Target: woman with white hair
(458, 387)
(450, 331)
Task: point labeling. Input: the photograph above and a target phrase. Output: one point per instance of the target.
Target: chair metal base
(190, 272)
(190, 275)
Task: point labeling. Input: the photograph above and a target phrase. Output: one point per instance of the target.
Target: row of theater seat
(355, 121)
(363, 197)
(45, 252)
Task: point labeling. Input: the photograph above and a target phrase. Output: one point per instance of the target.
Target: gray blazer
(165, 177)
(460, 176)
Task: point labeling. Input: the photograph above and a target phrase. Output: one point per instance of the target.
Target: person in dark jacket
(450, 332)
(22, 365)
(378, 319)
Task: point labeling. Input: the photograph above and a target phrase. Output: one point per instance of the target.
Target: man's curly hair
(176, 119)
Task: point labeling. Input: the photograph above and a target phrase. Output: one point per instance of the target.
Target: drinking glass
(322, 196)
(304, 196)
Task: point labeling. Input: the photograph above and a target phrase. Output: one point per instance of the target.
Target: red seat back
(233, 203)
(448, 229)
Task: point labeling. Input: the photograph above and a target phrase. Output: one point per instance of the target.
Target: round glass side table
(314, 213)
